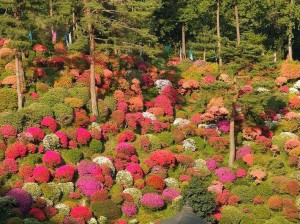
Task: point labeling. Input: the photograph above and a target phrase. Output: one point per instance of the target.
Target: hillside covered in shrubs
(161, 140)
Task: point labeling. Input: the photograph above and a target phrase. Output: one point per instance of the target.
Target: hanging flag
(67, 39)
(191, 54)
(70, 38)
(30, 35)
(54, 37)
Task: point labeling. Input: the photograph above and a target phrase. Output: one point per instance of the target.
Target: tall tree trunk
(18, 78)
(183, 41)
(237, 24)
(92, 65)
(232, 124)
(51, 16)
(290, 37)
(219, 33)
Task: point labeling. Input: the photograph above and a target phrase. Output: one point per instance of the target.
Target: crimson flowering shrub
(262, 140)
(65, 173)
(241, 152)
(41, 174)
(38, 214)
(126, 136)
(96, 133)
(72, 144)
(8, 131)
(63, 138)
(31, 148)
(152, 201)
(129, 210)
(196, 119)
(22, 197)
(211, 164)
(225, 175)
(81, 212)
(208, 79)
(133, 120)
(135, 170)
(171, 93)
(51, 159)
(15, 150)
(147, 80)
(207, 132)
(88, 185)
(163, 158)
(37, 133)
(10, 165)
(169, 194)
(165, 103)
(227, 198)
(109, 129)
(50, 123)
(156, 181)
(83, 136)
(50, 211)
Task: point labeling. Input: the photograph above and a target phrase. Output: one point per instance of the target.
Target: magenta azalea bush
(225, 175)
(22, 197)
(88, 185)
(169, 194)
(130, 210)
(152, 201)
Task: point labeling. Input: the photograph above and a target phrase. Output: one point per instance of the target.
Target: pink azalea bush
(50, 123)
(81, 212)
(211, 164)
(41, 174)
(135, 170)
(37, 133)
(63, 138)
(129, 210)
(88, 185)
(169, 194)
(241, 173)
(8, 131)
(10, 165)
(83, 136)
(224, 126)
(152, 201)
(225, 175)
(241, 152)
(51, 159)
(65, 173)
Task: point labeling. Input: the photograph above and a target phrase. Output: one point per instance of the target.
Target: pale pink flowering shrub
(152, 201)
(245, 150)
(83, 136)
(50, 123)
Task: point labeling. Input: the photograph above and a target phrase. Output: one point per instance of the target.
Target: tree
(15, 23)
(219, 33)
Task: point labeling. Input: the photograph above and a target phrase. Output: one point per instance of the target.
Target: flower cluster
(161, 84)
(65, 173)
(8, 131)
(225, 175)
(50, 123)
(51, 159)
(189, 145)
(152, 201)
(83, 136)
(51, 141)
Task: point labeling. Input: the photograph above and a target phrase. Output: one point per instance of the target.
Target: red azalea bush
(15, 150)
(135, 170)
(25, 171)
(126, 136)
(126, 148)
(241, 173)
(163, 158)
(220, 143)
(8, 131)
(156, 181)
(41, 174)
(65, 173)
(37, 133)
(38, 214)
(10, 165)
(50, 123)
(83, 136)
(165, 103)
(81, 212)
(51, 159)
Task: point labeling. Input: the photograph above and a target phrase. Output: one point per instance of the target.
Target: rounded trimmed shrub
(152, 201)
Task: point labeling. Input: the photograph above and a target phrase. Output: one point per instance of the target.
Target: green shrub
(72, 156)
(264, 189)
(102, 109)
(33, 189)
(155, 142)
(31, 159)
(33, 114)
(96, 146)
(278, 220)
(12, 118)
(289, 125)
(262, 212)
(280, 139)
(277, 167)
(246, 193)
(115, 193)
(51, 191)
(9, 99)
(63, 113)
(199, 198)
(14, 220)
(54, 96)
(107, 209)
(110, 103)
(166, 137)
(82, 93)
(231, 215)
